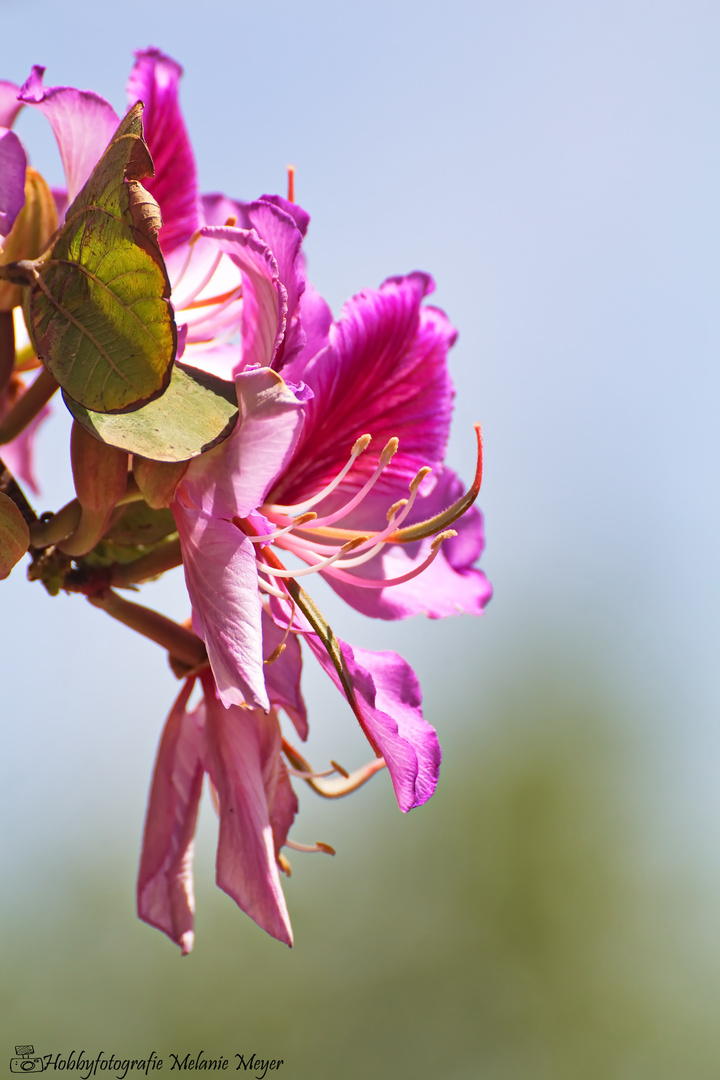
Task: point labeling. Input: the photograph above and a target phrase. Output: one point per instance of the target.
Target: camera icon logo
(25, 1062)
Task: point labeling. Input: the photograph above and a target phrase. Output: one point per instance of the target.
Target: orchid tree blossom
(296, 476)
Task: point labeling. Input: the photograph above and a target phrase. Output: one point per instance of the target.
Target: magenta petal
(389, 700)
(385, 373)
(243, 760)
(234, 478)
(12, 179)
(165, 885)
(83, 123)
(282, 677)
(154, 80)
(9, 104)
(221, 578)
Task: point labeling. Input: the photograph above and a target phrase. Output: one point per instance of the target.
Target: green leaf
(99, 304)
(196, 412)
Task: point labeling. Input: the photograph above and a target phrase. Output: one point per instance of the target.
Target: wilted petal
(221, 578)
(234, 478)
(12, 179)
(9, 104)
(83, 123)
(243, 760)
(154, 80)
(282, 676)
(388, 700)
(165, 885)
(385, 373)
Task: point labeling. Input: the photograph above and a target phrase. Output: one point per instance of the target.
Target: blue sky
(555, 167)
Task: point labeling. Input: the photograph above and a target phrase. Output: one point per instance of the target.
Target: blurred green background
(553, 911)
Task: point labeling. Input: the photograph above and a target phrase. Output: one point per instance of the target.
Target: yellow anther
(277, 652)
(419, 477)
(447, 535)
(395, 508)
(361, 444)
(389, 451)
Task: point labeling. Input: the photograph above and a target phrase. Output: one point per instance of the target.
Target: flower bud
(100, 475)
(99, 470)
(29, 236)
(14, 535)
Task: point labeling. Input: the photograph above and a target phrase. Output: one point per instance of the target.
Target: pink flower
(380, 369)
(239, 749)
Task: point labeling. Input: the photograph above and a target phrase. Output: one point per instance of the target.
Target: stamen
(291, 183)
(359, 447)
(311, 849)
(280, 649)
(284, 865)
(191, 244)
(423, 529)
(226, 300)
(231, 222)
(379, 583)
(322, 565)
(332, 789)
(276, 653)
(394, 509)
(269, 537)
(386, 456)
(204, 281)
(268, 588)
(212, 300)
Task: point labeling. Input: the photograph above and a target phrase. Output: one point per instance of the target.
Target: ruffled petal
(9, 104)
(282, 676)
(12, 179)
(243, 760)
(385, 373)
(165, 884)
(83, 123)
(388, 707)
(233, 479)
(154, 80)
(221, 578)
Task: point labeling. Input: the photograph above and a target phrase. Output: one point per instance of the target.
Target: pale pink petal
(9, 104)
(12, 179)
(243, 759)
(221, 578)
(165, 884)
(154, 80)
(233, 478)
(388, 708)
(83, 123)
(264, 297)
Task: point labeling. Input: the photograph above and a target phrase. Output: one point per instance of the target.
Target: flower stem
(26, 409)
(181, 643)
